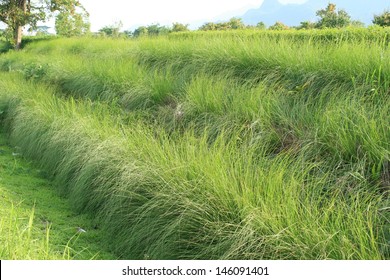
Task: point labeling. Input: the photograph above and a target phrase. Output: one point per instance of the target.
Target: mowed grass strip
(35, 223)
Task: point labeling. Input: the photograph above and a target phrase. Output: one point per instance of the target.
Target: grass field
(222, 146)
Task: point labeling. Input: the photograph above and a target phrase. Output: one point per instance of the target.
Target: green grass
(35, 222)
(212, 146)
(165, 197)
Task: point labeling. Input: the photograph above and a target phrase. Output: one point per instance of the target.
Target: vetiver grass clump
(181, 196)
(225, 146)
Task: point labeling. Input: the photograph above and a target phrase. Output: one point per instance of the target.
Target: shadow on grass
(5, 45)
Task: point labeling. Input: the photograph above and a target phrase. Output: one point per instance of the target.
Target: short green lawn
(35, 223)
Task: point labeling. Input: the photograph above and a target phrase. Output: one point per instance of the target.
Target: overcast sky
(144, 12)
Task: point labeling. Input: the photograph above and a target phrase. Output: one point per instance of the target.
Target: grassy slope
(201, 160)
(35, 222)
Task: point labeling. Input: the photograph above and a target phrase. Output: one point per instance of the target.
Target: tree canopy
(278, 26)
(179, 27)
(233, 23)
(331, 18)
(261, 25)
(111, 30)
(382, 19)
(68, 24)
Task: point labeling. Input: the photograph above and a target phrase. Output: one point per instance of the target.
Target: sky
(133, 14)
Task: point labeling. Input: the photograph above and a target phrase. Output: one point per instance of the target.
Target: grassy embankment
(213, 147)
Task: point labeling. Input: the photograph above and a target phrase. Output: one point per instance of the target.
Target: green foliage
(5, 46)
(18, 13)
(330, 18)
(153, 30)
(34, 71)
(140, 31)
(382, 19)
(111, 30)
(278, 26)
(14, 13)
(306, 25)
(128, 33)
(261, 25)
(70, 25)
(156, 29)
(233, 23)
(179, 27)
(236, 23)
(209, 26)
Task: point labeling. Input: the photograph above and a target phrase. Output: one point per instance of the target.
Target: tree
(164, 30)
(153, 29)
(179, 27)
(156, 29)
(330, 18)
(69, 25)
(111, 30)
(16, 14)
(208, 26)
(383, 19)
(235, 23)
(306, 25)
(278, 26)
(140, 31)
(357, 23)
(261, 25)
(128, 33)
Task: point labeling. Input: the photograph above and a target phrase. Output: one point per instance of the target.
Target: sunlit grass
(212, 147)
(17, 241)
(35, 223)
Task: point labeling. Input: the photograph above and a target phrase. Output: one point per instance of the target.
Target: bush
(34, 71)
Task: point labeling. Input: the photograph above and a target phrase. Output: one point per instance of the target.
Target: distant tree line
(329, 17)
(72, 20)
(150, 30)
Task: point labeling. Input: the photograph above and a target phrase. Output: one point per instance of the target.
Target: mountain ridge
(271, 11)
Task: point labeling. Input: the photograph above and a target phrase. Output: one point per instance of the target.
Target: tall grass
(165, 196)
(324, 36)
(113, 63)
(208, 147)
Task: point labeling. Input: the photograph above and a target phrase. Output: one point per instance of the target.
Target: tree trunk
(18, 31)
(18, 37)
